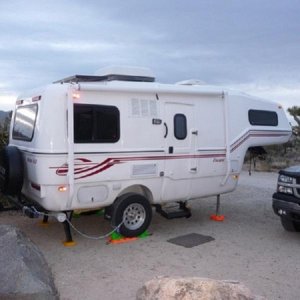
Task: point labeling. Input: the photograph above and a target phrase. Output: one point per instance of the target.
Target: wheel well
(138, 189)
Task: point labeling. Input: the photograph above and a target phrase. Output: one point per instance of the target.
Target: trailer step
(170, 213)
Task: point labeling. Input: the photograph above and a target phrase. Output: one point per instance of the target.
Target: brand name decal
(217, 160)
(31, 160)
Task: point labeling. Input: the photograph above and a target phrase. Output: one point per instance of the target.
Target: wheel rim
(134, 216)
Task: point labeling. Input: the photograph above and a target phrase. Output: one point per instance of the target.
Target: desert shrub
(3, 138)
(4, 131)
(4, 134)
(277, 156)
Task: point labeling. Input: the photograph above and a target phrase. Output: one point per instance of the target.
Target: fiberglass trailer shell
(86, 143)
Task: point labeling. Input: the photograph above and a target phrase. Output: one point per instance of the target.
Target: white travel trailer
(120, 141)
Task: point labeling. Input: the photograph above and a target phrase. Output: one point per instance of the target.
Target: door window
(180, 126)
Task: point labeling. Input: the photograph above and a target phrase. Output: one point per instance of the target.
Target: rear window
(96, 123)
(263, 117)
(24, 122)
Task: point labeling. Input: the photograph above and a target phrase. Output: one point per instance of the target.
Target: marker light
(76, 95)
(19, 102)
(36, 98)
(62, 188)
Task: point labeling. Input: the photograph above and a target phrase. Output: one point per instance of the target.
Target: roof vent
(191, 82)
(113, 73)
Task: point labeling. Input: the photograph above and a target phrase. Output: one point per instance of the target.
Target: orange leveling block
(116, 238)
(217, 217)
(45, 222)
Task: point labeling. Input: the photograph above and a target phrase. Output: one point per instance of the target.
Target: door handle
(193, 169)
(166, 126)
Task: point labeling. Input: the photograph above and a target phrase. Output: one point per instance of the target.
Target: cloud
(7, 101)
(247, 44)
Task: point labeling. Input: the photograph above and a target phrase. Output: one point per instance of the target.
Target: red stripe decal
(85, 168)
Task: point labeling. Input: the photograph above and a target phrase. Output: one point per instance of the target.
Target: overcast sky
(250, 45)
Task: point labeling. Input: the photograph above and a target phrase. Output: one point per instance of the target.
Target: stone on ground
(24, 272)
(194, 288)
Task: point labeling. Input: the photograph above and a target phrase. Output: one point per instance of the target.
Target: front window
(263, 117)
(24, 122)
(96, 123)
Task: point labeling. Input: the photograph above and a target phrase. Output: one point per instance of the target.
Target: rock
(194, 288)
(24, 273)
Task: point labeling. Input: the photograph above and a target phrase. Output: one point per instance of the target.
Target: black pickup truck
(286, 201)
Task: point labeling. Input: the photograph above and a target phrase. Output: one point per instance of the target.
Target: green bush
(4, 134)
(4, 131)
(3, 138)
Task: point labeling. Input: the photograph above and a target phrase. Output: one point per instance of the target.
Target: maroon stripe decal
(250, 134)
(85, 168)
(113, 162)
(86, 171)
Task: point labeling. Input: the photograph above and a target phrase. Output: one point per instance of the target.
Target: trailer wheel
(11, 170)
(134, 211)
(290, 225)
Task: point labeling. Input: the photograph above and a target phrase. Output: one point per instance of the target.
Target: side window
(96, 123)
(180, 126)
(262, 117)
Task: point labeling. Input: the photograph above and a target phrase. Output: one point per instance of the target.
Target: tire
(134, 211)
(11, 171)
(290, 225)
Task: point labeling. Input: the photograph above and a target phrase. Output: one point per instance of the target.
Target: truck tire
(134, 211)
(290, 225)
(11, 171)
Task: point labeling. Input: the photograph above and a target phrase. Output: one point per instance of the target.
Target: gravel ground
(249, 246)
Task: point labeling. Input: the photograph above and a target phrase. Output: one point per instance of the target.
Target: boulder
(24, 272)
(194, 288)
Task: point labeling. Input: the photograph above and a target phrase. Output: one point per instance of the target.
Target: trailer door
(180, 166)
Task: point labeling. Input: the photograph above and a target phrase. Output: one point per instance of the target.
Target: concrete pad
(250, 246)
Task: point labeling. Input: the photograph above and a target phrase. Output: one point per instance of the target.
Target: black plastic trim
(292, 210)
(286, 198)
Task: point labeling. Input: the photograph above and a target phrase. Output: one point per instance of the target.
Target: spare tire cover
(11, 170)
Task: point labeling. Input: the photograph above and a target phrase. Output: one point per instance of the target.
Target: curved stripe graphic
(84, 167)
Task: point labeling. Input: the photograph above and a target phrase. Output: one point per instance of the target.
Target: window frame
(25, 139)
(175, 126)
(94, 109)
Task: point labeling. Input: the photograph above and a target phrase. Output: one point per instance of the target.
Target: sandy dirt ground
(250, 246)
